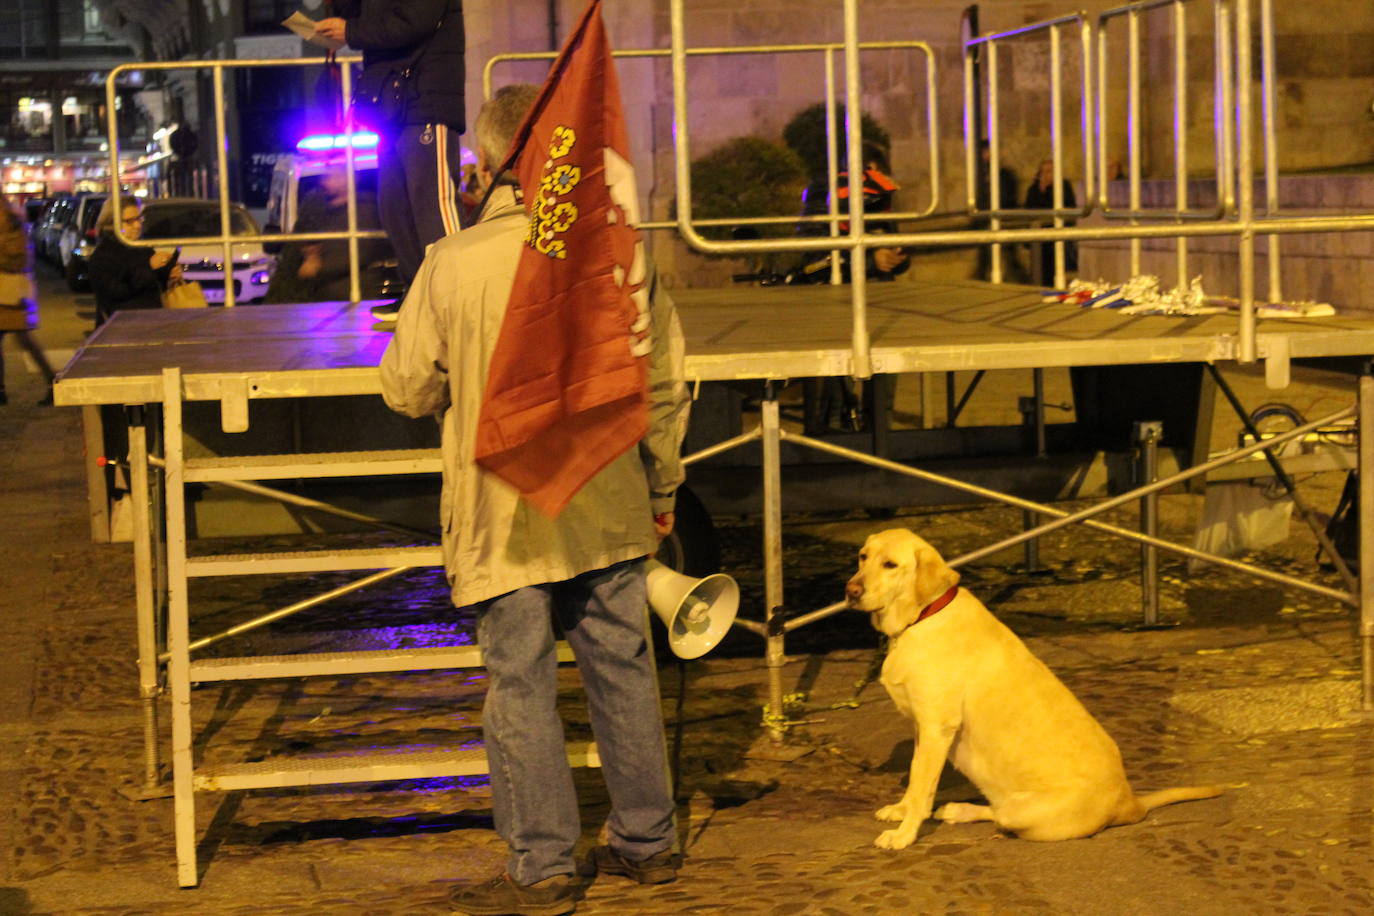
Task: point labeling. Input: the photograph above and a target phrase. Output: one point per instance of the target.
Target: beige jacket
(494, 542)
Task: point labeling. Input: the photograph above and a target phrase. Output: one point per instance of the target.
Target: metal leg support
(97, 490)
(775, 715)
(178, 634)
(145, 587)
(1366, 506)
(1148, 435)
(1033, 414)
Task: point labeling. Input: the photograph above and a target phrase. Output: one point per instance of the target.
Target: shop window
(30, 123)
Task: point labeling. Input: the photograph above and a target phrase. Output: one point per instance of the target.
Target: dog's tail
(1151, 800)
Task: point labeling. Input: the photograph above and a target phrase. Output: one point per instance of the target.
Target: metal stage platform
(327, 349)
(758, 336)
(255, 353)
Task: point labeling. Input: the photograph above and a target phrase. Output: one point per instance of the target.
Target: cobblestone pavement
(1255, 688)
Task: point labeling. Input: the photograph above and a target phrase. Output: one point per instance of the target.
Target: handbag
(383, 105)
(184, 294)
(18, 302)
(1344, 526)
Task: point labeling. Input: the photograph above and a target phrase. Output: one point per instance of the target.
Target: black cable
(675, 765)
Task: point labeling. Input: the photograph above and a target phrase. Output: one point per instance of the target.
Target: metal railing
(1234, 129)
(829, 52)
(976, 171)
(227, 238)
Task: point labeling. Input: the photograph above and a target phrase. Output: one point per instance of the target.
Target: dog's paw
(891, 812)
(896, 838)
(962, 813)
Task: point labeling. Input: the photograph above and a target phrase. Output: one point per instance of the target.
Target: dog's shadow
(953, 785)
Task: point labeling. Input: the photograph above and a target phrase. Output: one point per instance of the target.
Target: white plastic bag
(1240, 516)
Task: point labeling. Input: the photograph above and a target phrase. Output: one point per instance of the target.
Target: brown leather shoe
(659, 868)
(501, 895)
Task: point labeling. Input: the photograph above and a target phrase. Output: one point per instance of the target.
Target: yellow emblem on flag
(552, 216)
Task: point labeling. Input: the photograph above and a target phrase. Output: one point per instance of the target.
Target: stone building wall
(1322, 100)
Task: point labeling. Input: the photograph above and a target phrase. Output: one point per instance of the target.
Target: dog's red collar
(934, 607)
(938, 604)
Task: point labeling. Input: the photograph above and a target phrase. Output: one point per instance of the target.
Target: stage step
(316, 464)
(371, 765)
(302, 561)
(324, 664)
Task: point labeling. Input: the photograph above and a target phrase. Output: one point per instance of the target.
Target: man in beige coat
(519, 569)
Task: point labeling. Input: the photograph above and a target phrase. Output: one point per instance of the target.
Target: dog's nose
(854, 591)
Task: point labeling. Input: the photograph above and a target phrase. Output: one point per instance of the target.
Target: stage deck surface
(743, 332)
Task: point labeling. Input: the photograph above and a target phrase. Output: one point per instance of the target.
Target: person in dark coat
(1040, 196)
(419, 156)
(1012, 271)
(319, 271)
(824, 397)
(123, 276)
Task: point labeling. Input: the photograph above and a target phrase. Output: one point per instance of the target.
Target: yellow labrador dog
(978, 696)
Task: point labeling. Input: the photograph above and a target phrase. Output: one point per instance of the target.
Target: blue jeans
(534, 804)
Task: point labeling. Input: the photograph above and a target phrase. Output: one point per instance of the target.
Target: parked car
(48, 229)
(78, 239)
(184, 217)
(34, 207)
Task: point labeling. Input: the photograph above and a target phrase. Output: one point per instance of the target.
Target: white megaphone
(697, 612)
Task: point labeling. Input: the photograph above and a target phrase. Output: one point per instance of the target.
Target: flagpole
(550, 82)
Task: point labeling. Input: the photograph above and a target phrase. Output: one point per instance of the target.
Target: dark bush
(746, 177)
(805, 134)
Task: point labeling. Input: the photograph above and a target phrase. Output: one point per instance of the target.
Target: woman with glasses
(124, 276)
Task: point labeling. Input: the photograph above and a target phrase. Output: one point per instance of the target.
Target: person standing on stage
(1040, 196)
(414, 49)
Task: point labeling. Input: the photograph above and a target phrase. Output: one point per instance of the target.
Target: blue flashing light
(320, 142)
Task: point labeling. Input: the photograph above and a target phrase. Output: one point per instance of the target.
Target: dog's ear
(933, 577)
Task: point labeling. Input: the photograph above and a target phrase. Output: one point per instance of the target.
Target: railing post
(770, 419)
(222, 178)
(1365, 503)
(1148, 435)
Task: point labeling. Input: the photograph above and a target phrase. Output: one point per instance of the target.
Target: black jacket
(331, 284)
(1038, 198)
(424, 34)
(122, 277)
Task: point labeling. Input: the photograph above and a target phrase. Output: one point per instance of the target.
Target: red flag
(567, 384)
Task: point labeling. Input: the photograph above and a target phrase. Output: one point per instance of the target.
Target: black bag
(380, 99)
(381, 103)
(1344, 527)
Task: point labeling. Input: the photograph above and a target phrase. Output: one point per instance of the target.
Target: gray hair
(500, 117)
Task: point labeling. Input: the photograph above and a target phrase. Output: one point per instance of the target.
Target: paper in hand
(304, 26)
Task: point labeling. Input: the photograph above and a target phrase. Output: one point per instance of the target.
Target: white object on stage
(697, 612)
